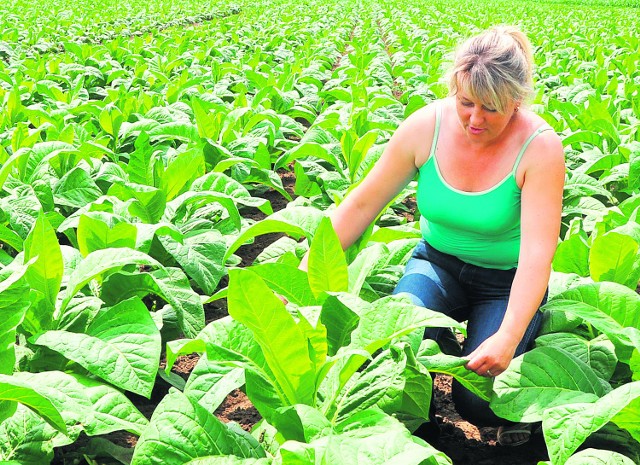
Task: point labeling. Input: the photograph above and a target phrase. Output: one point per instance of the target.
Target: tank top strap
(541, 129)
(436, 130)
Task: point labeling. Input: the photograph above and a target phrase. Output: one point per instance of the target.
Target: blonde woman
(490, 185)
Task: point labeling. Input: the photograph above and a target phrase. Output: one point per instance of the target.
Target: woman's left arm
(541, 213)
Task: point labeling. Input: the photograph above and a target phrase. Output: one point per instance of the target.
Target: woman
(490, 185)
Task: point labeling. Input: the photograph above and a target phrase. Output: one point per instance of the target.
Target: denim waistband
(465, 273)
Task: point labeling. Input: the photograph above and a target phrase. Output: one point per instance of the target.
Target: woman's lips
(473, 130)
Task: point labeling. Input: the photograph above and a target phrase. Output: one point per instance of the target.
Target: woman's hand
(493, 356)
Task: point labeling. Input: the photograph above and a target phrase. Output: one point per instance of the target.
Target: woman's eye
(490, 110)
(467, 104)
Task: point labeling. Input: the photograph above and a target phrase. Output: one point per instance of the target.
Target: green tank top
(481, 228)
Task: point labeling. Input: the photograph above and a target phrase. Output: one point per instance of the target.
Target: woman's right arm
(405, 152)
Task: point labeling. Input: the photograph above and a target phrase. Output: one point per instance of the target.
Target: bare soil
(467, 444)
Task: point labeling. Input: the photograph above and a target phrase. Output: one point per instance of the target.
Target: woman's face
(481, 123)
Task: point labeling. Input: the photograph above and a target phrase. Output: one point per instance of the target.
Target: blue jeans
(446, 284)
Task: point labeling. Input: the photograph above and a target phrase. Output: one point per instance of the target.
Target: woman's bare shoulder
(532, 121)
(418, 129)
(545, 149)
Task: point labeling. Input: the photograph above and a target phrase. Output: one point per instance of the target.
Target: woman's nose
(476, 116)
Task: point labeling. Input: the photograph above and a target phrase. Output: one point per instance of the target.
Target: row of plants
(35, 29)
(129, 168)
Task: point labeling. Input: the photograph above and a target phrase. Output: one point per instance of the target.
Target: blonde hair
(496, 67)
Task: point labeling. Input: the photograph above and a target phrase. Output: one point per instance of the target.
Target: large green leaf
(572, 256)
(200, 256)
(176, 209)
(211, 382)
(366, 438)
(76, 189)
(566, 427)
(122, 346)
(10, 238)
(364, 263)
(111, 119)
(171, 284)
(284, 345)
(336, 373)
(140, 167)
(542, 378)
(112, 410)
(181, 172)
(614, 257)
(265, 396)
(301, 423)
(296, 222)
(599, 457)
(22, 208)
(380, 384)
(394, 233)
(229, 343)
(86, 404)
(327, 263)
(16, 161)
(263, 176)
(26, 438)
(288, 281)
(391, 317)
(340, 316)
(208, 122)
(14, 389)
(609, 307)
(417, 392)
(97, 230)
(432, 358)
(40, 158)
(225, 340)
(309, 149)
(223, 184)
(316, 334)
(148, 202)
(599, 353)
(634, 362)
(79, 313)
(359, 150)
(634, 163)
(593, 138)
(99, 262)
(182, 430)
(14, 302)
(66, 396)
(148, 232)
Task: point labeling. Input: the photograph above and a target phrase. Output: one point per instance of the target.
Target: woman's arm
(392, 172)
(540, 226)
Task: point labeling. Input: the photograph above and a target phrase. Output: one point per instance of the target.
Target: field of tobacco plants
(143, 148)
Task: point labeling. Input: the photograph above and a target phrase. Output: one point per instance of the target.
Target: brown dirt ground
(464, 443)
